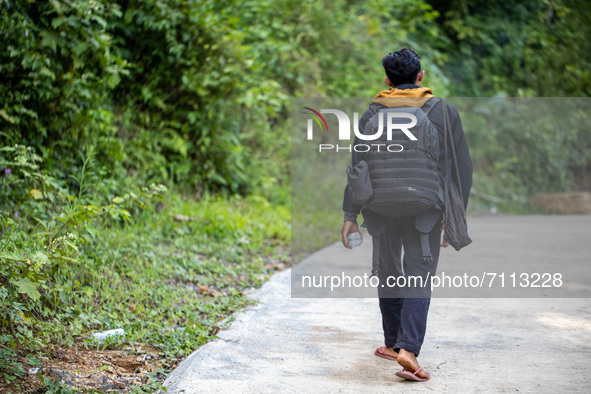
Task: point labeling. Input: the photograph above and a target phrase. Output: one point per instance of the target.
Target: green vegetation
(166, 268)
(145, 147)
(517, 48)
(530, 146)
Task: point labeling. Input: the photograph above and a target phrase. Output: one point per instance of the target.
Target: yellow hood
(403, 97)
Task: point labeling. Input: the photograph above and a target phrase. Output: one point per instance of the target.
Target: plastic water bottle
(355, 239)
(101, 336)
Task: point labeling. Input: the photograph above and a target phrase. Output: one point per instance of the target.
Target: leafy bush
(516, 48)
(183, 92)
(525, 146)
(43, 228)
(58, 66)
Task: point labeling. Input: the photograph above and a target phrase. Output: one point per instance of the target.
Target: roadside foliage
(145, 151)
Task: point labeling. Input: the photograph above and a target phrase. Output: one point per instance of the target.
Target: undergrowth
(168, 268)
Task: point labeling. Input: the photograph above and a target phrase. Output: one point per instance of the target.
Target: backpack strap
(424, 237)
(424, 223)
(435, 100)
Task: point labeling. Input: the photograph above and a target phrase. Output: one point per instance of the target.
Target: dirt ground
(106, 371)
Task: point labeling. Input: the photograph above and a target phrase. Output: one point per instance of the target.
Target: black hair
(402, 66)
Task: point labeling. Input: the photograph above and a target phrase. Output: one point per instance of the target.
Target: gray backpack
(402, 181)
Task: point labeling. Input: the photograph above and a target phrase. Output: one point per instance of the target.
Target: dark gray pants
(404, 309)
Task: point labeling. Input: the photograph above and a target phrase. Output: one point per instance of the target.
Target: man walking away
(404, 311)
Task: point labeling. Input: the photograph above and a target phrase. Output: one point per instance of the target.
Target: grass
(317, 194)
(170, 277)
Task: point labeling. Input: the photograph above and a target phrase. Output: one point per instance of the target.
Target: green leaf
(71, 245)
(12, 256)
(68, 259)
(91, 231)
(32, 360)
(40, 258)
(56, 5)
(99, 20)
(118, 200)
(36, 194)
(49, 39)
(128, 16)
(27, 287)
(47, 72)
(80, 47)
(6, 338)
(113, 81)
(57, 22)
(6, 117)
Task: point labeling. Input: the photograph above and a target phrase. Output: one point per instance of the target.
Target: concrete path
(325, 345)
